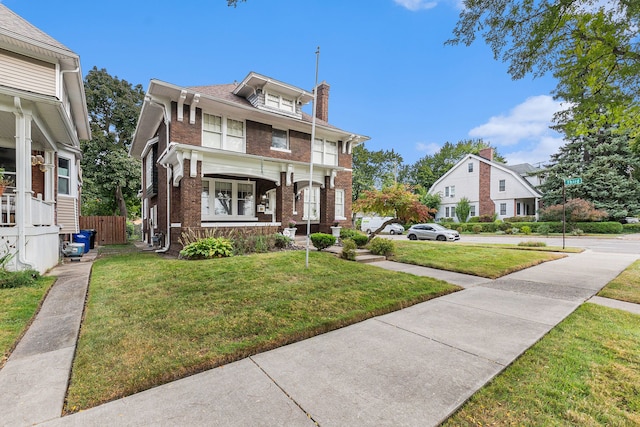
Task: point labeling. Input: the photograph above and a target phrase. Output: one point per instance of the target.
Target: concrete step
(370, 258)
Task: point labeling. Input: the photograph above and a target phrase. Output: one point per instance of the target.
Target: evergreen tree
(608, 169)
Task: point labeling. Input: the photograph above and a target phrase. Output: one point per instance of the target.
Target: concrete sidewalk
(411, 367)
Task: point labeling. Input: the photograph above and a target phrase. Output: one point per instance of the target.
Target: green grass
(17, 308)
(479, 260)
(625, 287)
(151, 320)
(585, 372)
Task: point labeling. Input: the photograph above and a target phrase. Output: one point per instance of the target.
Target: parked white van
(372, 223)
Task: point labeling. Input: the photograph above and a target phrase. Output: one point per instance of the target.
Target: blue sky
(391, 76)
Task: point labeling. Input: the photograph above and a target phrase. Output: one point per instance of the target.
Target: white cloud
(415, 5)
(428, 148)
(525, 129)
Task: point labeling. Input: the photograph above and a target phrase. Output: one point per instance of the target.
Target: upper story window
(470, 167)
(223, 133)
(450, 191)
(325, 152)
(279, 139)
(151, 172)
(502, 185)
(274, 100)
(64, 176)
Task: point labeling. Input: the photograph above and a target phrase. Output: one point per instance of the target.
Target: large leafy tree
(426, 171)
(397, 201)
(608, 168)
(111, 178)
(373, 169)
(591, 47)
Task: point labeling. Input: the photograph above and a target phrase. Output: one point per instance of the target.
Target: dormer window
(274, 100)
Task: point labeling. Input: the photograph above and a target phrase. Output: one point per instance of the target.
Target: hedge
(611, 227)
(631, 228)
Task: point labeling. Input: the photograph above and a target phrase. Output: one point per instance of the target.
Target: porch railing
(41, 211)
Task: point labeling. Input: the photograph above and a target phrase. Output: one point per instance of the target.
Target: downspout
(22, 134)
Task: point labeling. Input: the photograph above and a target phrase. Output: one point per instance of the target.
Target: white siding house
(490, 187)
(43, 116)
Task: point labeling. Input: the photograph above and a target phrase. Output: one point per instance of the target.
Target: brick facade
(487, 206)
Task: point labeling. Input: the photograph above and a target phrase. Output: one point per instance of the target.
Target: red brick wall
(185, 132)
(322, 109)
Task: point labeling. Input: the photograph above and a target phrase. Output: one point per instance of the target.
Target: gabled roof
(508, 169)
(524, 169)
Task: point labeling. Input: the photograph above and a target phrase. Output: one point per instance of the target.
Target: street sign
(573, 181)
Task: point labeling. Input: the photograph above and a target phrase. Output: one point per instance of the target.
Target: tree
(373, 169)
(426, 171)
(608, 169)
(574, 210)
(591, 48)
(397, 201)
(463, 208)
(111, 178)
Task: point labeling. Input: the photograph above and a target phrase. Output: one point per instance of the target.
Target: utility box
(73, 250)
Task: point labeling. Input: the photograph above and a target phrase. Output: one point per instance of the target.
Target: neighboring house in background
(237, 156)
(43, 116)
(490, 187)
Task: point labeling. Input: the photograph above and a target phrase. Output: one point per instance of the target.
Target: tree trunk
(122, 205)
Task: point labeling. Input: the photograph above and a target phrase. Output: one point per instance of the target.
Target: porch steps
(362, 255)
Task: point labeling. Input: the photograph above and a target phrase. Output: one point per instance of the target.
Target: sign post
(567, 181)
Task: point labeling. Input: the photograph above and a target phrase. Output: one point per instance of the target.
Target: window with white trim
(446, 212)
(228, 199)
(64, 176)
(339, 214)
(279, 139)
(325, 152)
(279, 102)
(472, 210)
(502, 185)
(470, 167)
(453, 211)
(503, 208)
(450, 191)
(223, 133)
(311, 203)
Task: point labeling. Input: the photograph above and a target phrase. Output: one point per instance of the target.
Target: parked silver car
(431, 232)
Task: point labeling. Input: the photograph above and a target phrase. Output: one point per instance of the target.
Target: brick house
(237, 155)
(43, 116)
(491, 187)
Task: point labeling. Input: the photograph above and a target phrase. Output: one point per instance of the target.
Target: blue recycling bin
(82, 238)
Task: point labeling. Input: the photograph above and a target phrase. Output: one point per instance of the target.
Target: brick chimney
(486, 153)
(322, 99)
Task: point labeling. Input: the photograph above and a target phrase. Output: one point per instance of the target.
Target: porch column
(284, 200)
(23, 166)
(327, 206)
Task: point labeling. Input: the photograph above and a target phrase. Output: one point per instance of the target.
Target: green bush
(532, 244)
(210, 247)
(477, 228)
(525, 229)
(360, 239)
(513, 219)
(504, 226)
(322, 240)
(282, 241)
(487, 218)
(17, 279)
(348, 249)
(631, 228)
(474, 219)
(380, 246)
(544, 229)
(609, 227)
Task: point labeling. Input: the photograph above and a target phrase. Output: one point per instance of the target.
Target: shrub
(347, 233)
(17, 279)
(348, 249)
(504, 226)
(282, 241)
(577, 232)
(631, 228)
(609, 227)
(533, 244)
(360, 239)
(487, 218)
(477, 228)
(525, 229)
(529, 218)
(210, 247)
(322, 240)
(575, 210)
(380, 246)
(544, 229)
(474, 219)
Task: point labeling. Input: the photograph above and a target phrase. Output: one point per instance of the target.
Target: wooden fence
(110, 230)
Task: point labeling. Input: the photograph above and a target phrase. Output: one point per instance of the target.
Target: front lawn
(151, 320)
(17, 308)
(625, 287)
(585, 372)
(479, 260)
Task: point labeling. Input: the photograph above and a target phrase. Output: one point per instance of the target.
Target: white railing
(41, 211)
